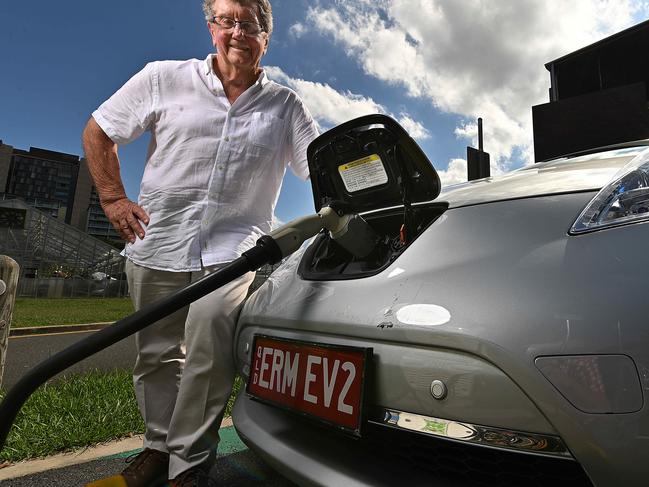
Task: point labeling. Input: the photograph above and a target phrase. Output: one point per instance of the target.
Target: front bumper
(479, 394)
(311, 455)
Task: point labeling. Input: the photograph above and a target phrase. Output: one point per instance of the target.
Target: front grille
(462, 464)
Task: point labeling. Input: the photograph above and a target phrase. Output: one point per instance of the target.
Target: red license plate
(322, 381)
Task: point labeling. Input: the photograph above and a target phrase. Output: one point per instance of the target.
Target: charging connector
(351, 232)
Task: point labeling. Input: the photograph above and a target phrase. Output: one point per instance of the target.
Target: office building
(58, 184)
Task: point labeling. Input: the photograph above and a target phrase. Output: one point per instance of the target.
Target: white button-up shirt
(213, 169)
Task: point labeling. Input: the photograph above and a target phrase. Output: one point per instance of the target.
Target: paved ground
(237, 470)
(25, 351)
(236, 466)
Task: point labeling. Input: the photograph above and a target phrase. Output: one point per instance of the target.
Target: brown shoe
(198, 476)
(148, 468)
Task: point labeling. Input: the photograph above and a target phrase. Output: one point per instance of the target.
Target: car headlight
(625, 200)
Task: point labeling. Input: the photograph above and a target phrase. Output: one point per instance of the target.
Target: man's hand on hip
(125, 215)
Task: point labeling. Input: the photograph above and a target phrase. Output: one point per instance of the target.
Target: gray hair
(263, 7)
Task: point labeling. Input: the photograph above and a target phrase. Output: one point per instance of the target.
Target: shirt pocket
(266, 130)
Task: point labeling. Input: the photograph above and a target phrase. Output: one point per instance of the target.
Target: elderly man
(222, 135)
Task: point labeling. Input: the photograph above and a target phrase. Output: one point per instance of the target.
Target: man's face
(234, 46)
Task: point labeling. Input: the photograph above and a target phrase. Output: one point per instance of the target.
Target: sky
(433, 65)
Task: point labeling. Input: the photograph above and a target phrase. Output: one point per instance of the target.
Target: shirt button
(227, 139)
(220, 168)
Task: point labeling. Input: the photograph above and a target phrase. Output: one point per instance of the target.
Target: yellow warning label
(358, 162)
(363, 173)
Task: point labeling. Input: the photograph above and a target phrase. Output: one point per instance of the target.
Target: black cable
(266, 251)
(406, 234)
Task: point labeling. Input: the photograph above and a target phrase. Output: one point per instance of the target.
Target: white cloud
(642, 10)
(330, 107)
(455, 173)
(472, 58)
(297, 30)
(414, 128)
(276, 222)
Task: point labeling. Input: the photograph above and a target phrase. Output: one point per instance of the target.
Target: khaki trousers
(184, 369)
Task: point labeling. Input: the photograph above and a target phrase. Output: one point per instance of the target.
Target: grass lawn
(81, 410)
(48, 312)
(77, 412)
(73, 413)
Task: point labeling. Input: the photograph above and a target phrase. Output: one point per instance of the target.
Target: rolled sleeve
(302, 131)
(128, 113)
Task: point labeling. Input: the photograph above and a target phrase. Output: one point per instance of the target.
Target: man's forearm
(103, 163)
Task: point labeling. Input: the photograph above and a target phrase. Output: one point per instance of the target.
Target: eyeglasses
(227, 24)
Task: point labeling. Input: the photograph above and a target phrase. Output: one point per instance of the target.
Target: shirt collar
(262, 80)
(209, 67)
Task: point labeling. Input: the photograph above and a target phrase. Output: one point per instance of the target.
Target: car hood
(565, 175)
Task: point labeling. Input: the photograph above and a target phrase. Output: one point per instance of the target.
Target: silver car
(496, 334)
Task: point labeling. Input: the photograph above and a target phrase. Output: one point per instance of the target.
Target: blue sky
(435, 65)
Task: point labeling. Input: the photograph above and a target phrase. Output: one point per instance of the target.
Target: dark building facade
(45, 179)
(98, 224)
(58, 184)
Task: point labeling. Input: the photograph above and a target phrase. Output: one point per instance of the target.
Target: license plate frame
(359, 359)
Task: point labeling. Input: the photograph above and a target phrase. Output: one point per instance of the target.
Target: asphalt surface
(23, 352)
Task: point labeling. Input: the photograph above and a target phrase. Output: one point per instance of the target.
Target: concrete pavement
(31, 467)
(116, 449)
(236, 466)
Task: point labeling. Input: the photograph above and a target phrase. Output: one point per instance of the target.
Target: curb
(45, 330)
(73, 458)
(119, 448)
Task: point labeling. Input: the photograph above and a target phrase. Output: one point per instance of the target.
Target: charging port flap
(369, 163)
(368, 166)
